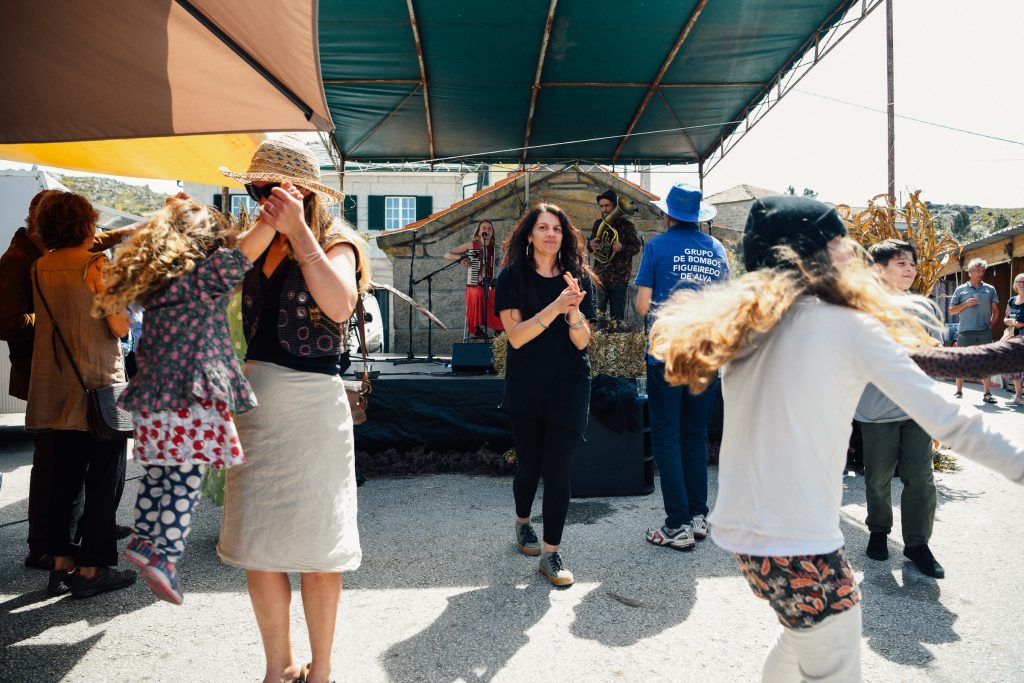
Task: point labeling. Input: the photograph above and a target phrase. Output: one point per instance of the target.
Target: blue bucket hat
(684, 204)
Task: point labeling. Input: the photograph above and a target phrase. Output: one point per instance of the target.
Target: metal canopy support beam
(683, 35)
(786, 80)
(535, 90)
(423, 75)
(676, 120)
(635, 84)
(372, 81)
(381, 122)
(891, 107)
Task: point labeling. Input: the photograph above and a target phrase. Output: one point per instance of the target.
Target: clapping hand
(571, 295)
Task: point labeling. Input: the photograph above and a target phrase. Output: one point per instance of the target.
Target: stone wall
(575, 192)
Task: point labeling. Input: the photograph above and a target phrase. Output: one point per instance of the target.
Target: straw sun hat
(286, 158)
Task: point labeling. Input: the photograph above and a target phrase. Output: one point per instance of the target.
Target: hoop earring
(529, 250)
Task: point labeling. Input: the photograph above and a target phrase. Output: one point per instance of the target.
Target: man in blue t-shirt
(681, 258)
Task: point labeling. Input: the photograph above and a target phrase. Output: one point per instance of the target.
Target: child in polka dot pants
(181, 266)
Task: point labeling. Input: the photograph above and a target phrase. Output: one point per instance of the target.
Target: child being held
(181, 266)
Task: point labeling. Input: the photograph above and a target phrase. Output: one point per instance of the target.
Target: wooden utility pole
(891, 108)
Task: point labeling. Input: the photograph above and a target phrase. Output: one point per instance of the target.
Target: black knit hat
(609, 195)
(805, 225)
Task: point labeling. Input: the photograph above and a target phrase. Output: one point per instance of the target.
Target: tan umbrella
(102, 69)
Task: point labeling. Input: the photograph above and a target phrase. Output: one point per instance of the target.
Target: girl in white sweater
(809, 313)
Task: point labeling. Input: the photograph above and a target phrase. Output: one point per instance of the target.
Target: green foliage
(961, 227)
(808, 192)
(138, 200)
(1001, 222)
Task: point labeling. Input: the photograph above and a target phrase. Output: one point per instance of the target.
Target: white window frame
(238, 200)
(399, 211)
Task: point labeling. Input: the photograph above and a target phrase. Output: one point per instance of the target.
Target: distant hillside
(138, 200)
(968, 223)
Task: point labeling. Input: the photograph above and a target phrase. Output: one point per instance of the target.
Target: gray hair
(976, 262)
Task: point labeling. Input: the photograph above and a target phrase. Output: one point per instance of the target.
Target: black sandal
(988, 398)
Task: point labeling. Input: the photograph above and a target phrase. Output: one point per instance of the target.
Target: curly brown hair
(177, 238)
(699, 331)
(65, 219)
(571, 258)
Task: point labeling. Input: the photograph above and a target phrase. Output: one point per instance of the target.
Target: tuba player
(616, 264)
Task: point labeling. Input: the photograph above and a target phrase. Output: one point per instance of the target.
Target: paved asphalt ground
(443, 596)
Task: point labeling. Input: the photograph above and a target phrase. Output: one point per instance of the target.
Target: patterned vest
(302, 329)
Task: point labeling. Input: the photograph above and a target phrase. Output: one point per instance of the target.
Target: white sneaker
(700, 527)
(1015, 401)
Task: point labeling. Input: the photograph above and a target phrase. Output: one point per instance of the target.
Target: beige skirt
(291, 507)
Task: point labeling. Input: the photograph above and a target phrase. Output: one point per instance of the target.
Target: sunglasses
(261, 192)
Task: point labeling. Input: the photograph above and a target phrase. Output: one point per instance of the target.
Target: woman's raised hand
(571, 296)
(283, 210)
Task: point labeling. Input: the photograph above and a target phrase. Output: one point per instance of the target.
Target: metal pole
(700, 174)
(892, 102)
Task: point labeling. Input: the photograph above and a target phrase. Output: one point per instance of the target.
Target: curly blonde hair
(697, 332)
(177, 238)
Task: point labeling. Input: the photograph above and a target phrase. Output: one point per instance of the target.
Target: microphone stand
(429, 277)
(485, 280)
(410, 358)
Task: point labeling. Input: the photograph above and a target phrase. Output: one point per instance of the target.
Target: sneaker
(921, 556)
(677, 539)
(58, 583)
(878, 546)
(551, 567)
(526, 539)
(699, 526)
(138, 552)
(106, 579)
(1015, 401)
(162, 578)
(958, 394)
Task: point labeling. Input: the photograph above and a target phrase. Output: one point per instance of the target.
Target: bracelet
(537, 319)
(311, 257)
(576, 325)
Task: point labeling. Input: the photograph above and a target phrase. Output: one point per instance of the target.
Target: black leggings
(543, 450)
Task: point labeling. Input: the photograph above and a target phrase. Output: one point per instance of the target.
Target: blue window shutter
(351, 208)
(375, 212)
(424, 207)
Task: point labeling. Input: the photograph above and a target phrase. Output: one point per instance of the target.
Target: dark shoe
(921, 556)
(958, 394)
(878, 546)
(39, 561)
(122, 532)
(526, 539)
(988, 398)
(106, 579)
(59, 583)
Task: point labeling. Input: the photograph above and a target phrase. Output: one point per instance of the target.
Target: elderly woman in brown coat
(64, 282)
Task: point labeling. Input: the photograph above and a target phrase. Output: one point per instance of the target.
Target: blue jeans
(679, 439)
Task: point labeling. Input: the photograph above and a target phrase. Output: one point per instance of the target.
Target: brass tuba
(606, 235)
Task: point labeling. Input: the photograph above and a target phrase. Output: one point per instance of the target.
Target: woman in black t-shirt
(543, 298)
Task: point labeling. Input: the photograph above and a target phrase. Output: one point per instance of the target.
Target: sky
(956, 64)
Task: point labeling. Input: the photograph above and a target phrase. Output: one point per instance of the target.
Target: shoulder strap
(56, 328)
(362, 336)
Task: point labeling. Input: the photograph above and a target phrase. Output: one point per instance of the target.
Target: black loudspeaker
(470, 358)
(610, 463)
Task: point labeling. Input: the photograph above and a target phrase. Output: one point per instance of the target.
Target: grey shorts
(973, 337)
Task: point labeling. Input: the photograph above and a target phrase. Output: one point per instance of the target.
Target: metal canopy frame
(367, 83)
(785, 81)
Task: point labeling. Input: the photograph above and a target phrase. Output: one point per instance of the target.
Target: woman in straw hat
(808, 313)
(292, 506)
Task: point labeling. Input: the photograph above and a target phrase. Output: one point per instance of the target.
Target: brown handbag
(358, 391)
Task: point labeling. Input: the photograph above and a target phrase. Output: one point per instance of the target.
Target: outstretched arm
(976, 361)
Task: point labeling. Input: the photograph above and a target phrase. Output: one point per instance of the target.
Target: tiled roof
(740, 193)
(491, 188)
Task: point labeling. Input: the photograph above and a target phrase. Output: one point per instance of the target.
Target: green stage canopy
(410, 80)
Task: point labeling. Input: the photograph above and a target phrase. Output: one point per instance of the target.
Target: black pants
(612, 297)
(100, 465)
(543, 450)
(40, 480)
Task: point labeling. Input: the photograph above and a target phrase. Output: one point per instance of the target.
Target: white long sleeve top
(789, 407)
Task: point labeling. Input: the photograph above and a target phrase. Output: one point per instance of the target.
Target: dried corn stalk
(913, 223)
